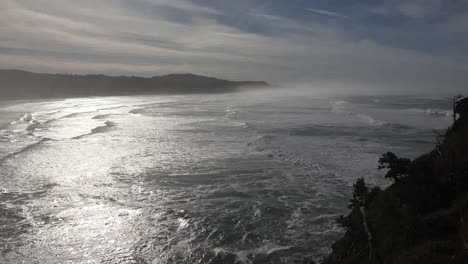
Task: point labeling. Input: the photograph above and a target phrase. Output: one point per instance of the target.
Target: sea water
(248, 177)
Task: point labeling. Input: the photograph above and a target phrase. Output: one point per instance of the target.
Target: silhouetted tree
(397, 167)
(359, 199)
(360, 192)
(455, 101)
(460, 108)
(419, 218)
(344, 222)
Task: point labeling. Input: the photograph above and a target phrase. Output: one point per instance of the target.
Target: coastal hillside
(422, 217)
(22, 84)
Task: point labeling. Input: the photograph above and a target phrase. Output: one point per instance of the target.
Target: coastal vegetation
(422, 217)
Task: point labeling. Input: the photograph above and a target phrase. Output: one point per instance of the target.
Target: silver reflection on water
(183, 179)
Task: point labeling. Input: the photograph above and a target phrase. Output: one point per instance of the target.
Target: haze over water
(249, 177)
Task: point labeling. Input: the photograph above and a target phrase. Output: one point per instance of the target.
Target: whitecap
(433, 112)
(370, 120)
(339, 106)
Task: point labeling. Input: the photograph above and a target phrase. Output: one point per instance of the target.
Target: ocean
(247, 177)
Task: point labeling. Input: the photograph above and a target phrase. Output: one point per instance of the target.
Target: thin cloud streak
(326, 13)
(184, 5)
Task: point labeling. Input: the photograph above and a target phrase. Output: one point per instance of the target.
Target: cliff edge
(422, 217)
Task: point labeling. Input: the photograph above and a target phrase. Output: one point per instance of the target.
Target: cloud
(456, 24)
(279, 22)
(326, 13)
(184, 5)
(110, 37)
(409, 8)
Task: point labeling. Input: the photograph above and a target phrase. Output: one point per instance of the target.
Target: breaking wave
(100, 129)
(231, 113)
(341, 107)
(433, 112)
(26, 123)
(370, 120)
(25, 149)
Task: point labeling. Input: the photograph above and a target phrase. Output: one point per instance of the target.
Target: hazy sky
(420, 44)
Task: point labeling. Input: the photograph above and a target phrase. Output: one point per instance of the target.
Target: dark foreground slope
(422, 217)
(22, 84)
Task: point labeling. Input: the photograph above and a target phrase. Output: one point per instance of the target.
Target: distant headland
(18, 84)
